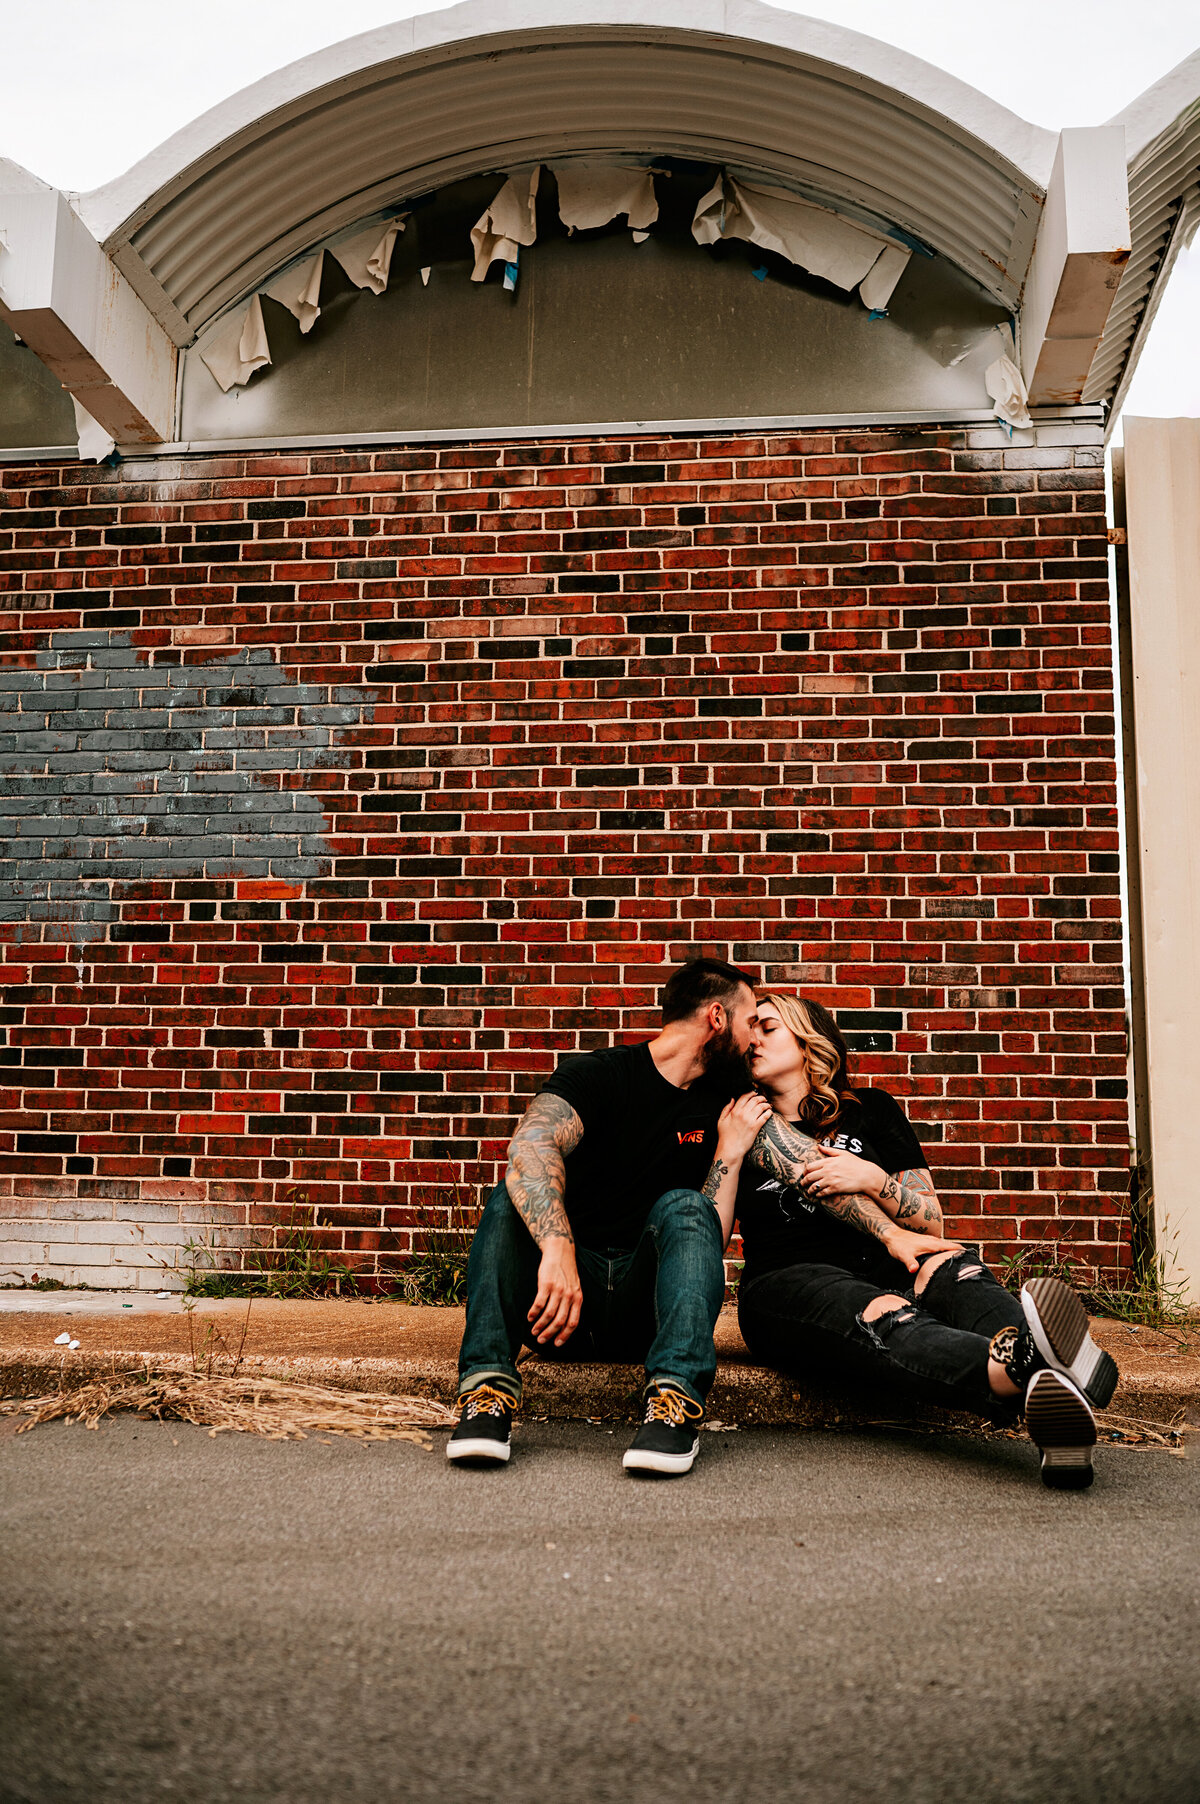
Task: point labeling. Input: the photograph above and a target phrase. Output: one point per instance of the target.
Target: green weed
(285, 1262)
(1041, 1259)
(36, 1283)
(1152, 1297)
(435, 1272)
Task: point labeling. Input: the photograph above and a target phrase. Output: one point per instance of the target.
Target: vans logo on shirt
(691, 1136)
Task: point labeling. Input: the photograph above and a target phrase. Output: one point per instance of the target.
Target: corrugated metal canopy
(495, 83)
(1163, 143)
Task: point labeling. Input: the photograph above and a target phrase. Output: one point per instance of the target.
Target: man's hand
(738, 1125)
(555, 1312)
(834, 1173)
(908, 1247)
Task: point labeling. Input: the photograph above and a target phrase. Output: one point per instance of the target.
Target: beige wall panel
(1162, 473)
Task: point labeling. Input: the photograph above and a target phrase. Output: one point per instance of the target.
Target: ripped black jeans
(807, 1320)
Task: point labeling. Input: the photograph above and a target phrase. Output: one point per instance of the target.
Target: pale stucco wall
(1162, 478)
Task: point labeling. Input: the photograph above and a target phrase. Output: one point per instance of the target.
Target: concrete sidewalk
(392, 1348)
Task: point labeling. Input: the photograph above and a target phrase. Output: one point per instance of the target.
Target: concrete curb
(742, 1395)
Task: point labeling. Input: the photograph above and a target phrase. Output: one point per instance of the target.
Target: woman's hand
(835, 1173)
(739, 1124)
(910, 1248)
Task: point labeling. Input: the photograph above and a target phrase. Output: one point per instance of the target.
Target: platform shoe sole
(478, 1453)
(1062, 1427)
(1059, 1325)
(655, 1464)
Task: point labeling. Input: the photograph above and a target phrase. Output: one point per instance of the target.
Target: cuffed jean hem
(503, 1381)
(680, 1384)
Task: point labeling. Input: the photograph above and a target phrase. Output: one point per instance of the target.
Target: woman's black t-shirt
(781, 1226)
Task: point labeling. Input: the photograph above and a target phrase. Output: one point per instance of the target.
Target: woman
(847, 1271)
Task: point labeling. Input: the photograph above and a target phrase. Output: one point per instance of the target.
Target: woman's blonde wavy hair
(817, 1034)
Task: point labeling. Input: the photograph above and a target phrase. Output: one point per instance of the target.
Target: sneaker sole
(1061, 1425)
(666, 1465)
(1059, 1325)
(485, 1453)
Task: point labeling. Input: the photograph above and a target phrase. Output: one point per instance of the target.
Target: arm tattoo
(718, 1172)
(914, 1195)
(783, 1151)
(536, 1176)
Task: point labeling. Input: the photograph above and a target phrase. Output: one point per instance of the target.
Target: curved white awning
(491, 83)
(1162, 142)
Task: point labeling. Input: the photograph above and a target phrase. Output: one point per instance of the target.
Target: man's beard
(725, 1065)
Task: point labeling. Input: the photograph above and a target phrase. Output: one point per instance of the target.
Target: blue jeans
(658, 1303)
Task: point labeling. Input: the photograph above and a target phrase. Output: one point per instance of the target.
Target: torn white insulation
(508, 223)
(238, 347)
(878, 285)
(811, 237)
(1006, 386)
(590, 194)
(94, 442)
(367, 257)
(299, 290)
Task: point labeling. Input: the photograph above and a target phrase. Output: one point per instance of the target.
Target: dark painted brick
(276, 510)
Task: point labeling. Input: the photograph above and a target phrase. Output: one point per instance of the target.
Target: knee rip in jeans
(969, 1266)
(879, 1327)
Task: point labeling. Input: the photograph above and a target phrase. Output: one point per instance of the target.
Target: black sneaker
(1061, 1424)
(668, 1440)
(1058, 1324)
(484, 1427)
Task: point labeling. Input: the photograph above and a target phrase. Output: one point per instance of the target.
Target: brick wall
(345, 791)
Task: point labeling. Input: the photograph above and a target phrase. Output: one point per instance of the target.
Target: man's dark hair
(696, 984)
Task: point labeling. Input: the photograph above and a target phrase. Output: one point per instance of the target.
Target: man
(603, 1237)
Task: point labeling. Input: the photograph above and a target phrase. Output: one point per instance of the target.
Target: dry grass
(243, 1405)
(1131, 1431)
(216, 1394)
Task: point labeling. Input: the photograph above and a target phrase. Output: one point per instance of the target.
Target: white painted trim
(486, 435)
(38, 454)
(62, 296)
(1082, 248)
(1044, 421)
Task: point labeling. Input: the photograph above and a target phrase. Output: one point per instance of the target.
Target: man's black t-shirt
(781, 1226)
(642, 1136)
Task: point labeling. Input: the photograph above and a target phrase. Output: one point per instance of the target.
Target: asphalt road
(826, 1617)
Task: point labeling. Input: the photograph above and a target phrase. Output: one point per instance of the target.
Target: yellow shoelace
(673, 1407)
(484, 1400)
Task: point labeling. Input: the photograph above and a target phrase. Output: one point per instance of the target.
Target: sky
(101, 82)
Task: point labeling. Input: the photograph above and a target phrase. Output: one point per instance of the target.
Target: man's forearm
(536, 1184)
(784, 1151)
(536, 1179)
